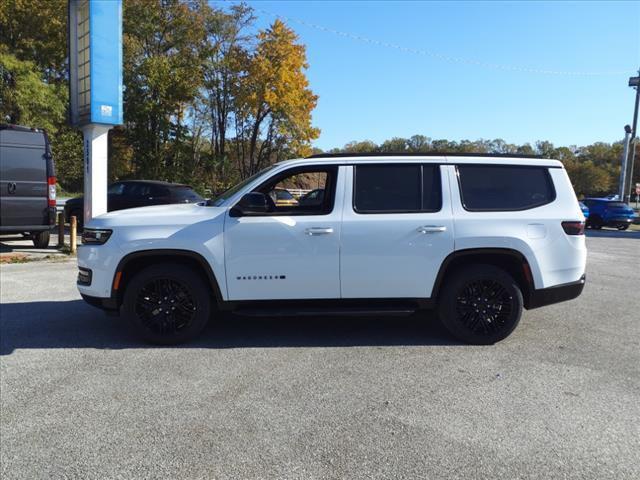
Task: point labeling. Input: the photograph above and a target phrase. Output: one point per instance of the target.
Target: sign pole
(95, 89)
(623, 167)
(95, 170)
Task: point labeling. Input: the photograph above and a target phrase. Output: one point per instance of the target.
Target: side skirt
(330, 307)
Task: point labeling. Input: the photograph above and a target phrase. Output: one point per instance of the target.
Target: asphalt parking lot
(323, 398)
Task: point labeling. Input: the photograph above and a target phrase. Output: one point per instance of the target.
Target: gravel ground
(322, 398)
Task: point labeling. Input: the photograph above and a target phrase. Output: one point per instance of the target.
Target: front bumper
(107, 304)
(556, 294)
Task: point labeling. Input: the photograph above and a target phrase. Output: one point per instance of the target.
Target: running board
(324, 312)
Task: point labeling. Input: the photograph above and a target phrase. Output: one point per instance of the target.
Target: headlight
(92, 236)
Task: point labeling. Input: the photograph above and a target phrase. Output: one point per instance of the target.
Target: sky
(520, 71)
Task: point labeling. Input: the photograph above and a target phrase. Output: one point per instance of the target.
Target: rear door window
(409, 188)
(504, 187)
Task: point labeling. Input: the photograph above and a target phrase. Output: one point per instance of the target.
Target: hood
(157, 215)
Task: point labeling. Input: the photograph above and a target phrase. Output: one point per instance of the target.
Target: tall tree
(25, 99)
(36, 32)
(225, 57)
(273, 111)
(162, 75)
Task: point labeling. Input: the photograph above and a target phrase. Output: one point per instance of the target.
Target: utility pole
(623, 168)
(633, 82)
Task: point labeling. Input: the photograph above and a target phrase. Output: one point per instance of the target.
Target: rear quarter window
(504, 187)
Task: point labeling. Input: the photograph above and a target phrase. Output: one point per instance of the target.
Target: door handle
(318, 230)
(11, 187)
(432, 229)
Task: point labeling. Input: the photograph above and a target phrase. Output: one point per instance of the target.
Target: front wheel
(623, 227)
(480, 304)
(167, 304)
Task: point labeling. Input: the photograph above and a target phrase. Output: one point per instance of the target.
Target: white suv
(478, 237)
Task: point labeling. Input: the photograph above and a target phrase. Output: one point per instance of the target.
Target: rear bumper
(25, 228)
(556, 294)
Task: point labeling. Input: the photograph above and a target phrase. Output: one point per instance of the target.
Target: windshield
(219, 200)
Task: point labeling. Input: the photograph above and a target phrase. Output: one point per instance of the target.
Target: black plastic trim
(213, 281)
(559, 293)
(108, 304)
(331, 306)
(437, 285)
(25, 228)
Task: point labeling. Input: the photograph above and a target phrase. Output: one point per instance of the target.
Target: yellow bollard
(72, 240)
(60, 230)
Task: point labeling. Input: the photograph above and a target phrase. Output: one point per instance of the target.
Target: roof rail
(426, 154)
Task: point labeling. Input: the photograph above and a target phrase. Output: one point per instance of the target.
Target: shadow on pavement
(606, 233)
(74, 324)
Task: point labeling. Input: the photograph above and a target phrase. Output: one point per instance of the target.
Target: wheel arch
(135, 261)
(512, 261)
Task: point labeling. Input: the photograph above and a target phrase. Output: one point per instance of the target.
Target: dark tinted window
(186, 194)
(397, 188)
(431, 188)
(504, 187)
(158, 191)
(116, 189)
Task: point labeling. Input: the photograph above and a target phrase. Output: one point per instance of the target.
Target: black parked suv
(136, 193)
(27, 183)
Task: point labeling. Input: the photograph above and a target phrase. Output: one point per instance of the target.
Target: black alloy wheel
(165, 306)
(484, 306)
(480, 304)
(167, 303)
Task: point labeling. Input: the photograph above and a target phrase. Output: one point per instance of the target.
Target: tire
(623, 227)
(41, 239)
(184, 300)
(462, 314)
(595, 222)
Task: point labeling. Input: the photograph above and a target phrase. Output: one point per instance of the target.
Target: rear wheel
(595, 222)
(41, 239)
(480, 304)
(167, 304)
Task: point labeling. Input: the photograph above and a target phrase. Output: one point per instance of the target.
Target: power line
(439, 56)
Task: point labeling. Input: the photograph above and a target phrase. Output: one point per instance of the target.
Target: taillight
(573, 228)
(51, 182)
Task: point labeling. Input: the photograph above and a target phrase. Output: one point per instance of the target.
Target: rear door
(23, 182)
(397, 229)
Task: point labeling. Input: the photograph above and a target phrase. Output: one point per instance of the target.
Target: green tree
(25, 99)
(162, 75)
(36, 31)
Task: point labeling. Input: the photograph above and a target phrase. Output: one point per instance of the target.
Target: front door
(397, 230)
(291, 252)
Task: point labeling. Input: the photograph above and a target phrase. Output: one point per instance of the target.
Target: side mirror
(251, 204)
